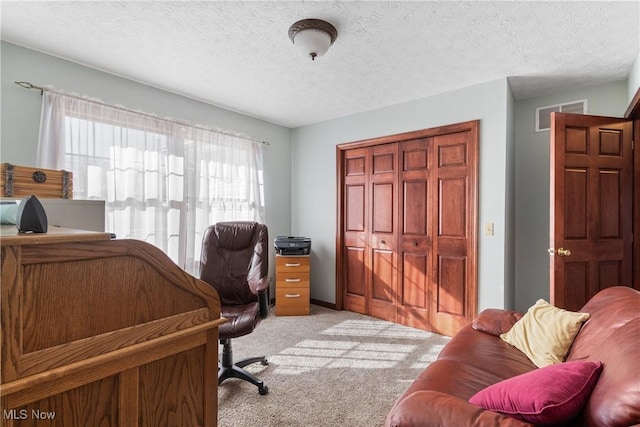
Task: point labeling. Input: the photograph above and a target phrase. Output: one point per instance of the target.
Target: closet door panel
(384, 159)
(452, 207)
(414, 301)
(415, 239)
(451, 290)
(383, 236)
(383, 271)
(355, 271)
(454, 153)
(355, 234)
(382, 209)
(415, 283)
(355, 164)
(454, 303)
(414, 218)
(356, 248)
(355, 208)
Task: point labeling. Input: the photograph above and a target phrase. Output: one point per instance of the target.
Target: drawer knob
(291, 280)
(292, 295)
(292, 265)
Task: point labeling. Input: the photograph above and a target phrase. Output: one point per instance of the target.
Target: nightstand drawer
(292, 301)
(292, 263)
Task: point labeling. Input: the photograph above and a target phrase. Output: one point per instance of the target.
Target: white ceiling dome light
(313, 36)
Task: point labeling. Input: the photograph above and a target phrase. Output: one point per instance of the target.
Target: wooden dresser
(101, 332)
(292, 285)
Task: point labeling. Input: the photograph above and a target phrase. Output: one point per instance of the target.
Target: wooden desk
(103, 332)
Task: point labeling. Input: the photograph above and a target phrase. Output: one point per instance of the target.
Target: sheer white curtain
(163, 182)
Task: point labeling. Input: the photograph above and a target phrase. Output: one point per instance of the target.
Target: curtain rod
(28, 85)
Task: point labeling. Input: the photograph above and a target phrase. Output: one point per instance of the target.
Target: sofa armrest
(496, 321)
(428, 408)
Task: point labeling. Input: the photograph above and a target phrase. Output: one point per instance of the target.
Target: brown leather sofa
(476, 358)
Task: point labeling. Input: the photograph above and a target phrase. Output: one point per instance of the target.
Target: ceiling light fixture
(313, 36)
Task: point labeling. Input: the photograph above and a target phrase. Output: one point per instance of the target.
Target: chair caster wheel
(264, 362)
(263, 390)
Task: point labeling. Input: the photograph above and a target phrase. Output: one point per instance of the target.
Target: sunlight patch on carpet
(315, 354)
(379, 328)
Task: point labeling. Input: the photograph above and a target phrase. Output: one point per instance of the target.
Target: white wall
(314, 170)
(510, 206)
(532, 184)
(20, 118)
(633, 82)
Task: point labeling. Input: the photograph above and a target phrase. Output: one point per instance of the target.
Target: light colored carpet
(331, 368)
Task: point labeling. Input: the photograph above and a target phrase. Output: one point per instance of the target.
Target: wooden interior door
(591, 212)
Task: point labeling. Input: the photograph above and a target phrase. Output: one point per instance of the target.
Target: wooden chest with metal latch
(22, 181)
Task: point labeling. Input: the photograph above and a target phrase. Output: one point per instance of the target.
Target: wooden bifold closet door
(406, 243)
(370, 256)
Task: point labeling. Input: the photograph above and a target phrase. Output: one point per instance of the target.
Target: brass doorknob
(564, 252)
(560, 252)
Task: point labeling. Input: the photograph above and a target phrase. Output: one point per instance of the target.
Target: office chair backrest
(234, 258)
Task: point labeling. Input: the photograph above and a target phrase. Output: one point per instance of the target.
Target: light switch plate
(488, 229)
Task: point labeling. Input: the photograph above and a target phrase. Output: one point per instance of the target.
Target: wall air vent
(543, 114)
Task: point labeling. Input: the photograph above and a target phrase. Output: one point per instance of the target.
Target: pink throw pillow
(551, 395)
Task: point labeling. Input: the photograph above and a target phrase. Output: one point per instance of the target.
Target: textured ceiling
(237, 54)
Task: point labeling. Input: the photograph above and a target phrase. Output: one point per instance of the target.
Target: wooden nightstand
(292, 285)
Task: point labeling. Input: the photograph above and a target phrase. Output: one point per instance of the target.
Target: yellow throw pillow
(545, 333)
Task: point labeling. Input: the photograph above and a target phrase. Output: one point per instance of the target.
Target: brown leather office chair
(235, 262)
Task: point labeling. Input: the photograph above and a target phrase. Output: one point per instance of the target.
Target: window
(163, 182)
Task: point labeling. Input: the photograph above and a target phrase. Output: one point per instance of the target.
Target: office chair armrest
(263, 300)
(262, 285)
(263, 296)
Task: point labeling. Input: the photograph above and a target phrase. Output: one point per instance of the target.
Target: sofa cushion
(495, 321)
(545, 333)
(551, 395)
(481, 352)
(470, 362)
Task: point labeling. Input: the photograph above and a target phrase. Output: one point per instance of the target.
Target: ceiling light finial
(313, 36)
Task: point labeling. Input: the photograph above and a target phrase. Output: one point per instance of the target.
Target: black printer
(291, 245)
